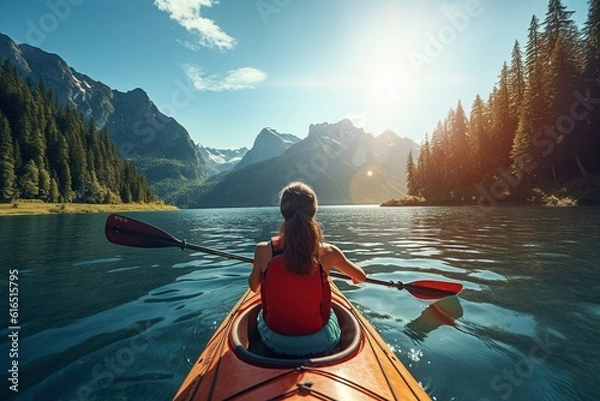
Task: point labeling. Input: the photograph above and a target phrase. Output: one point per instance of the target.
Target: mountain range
(342, 162)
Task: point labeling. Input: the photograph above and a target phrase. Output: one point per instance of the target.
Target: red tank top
(294, 304)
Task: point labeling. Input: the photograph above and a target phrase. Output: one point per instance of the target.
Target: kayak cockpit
(248, 346)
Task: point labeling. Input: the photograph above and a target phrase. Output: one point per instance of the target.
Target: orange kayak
(235, 365)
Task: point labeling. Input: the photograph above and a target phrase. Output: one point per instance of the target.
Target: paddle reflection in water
(442, 312)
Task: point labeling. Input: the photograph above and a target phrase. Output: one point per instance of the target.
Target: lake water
(105, 322)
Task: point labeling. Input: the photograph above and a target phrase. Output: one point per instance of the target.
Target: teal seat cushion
(317, 343)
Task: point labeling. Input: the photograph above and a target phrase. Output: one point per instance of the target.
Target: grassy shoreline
(21, 208)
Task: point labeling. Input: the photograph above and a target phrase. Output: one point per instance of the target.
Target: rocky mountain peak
(269, 143)
(343, 130)
(11, 49)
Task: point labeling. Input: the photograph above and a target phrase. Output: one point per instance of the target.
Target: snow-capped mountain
(221, 160)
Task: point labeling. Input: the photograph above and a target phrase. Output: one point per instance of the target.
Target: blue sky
(226, 69)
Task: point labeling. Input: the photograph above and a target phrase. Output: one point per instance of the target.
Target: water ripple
(97, 261)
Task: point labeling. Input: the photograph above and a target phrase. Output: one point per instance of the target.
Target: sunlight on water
(96, 261)
(122, 269)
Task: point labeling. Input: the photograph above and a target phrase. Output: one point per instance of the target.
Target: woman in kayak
(291, 272)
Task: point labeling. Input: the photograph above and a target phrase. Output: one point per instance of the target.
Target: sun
(387, 86)
(369, 173)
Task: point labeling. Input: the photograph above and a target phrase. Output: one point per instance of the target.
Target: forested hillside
(536, 132)
(49, 152)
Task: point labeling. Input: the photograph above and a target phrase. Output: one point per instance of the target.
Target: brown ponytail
(301, 234)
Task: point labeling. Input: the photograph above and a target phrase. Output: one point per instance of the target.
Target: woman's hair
(302, 235)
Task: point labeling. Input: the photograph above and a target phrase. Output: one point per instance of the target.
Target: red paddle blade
(432, 289)
(423, 289)
(123, 230)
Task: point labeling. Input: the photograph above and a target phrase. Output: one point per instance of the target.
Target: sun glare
(387, 87)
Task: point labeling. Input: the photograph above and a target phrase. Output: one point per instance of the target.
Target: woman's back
(294, 304)
(291, 272)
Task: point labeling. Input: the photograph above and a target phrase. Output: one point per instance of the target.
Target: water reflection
(442, 312)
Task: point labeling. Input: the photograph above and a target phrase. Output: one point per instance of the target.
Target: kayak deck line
(235, 365)
(307, 387)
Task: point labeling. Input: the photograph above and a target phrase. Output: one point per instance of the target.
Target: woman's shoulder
(329, 248)
(263, 246)
(329, 253)
(262, 255)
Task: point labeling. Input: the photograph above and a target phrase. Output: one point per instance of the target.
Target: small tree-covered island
(50, 154)
(535, 139)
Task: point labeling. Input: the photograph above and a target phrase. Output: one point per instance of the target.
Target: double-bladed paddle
(124, 230)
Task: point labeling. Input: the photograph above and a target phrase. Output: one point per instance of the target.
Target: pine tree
(561, 41)
(438, 183)
(459, 157)
(423, 175)
(533, 51)
(528, 152)
(558, 25)
(53, 194)
(411, 183)
(29, 181)
(592, 45)
(516, 82)
(478, 137)
(503, 127)
(63, 170)
(126, 196)
(44, 179)
(589, 148)
(8, 177)
(516, 97)
(486, 143)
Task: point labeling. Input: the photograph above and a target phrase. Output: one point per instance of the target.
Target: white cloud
(188, 44)
(241, 78)
(188, 14)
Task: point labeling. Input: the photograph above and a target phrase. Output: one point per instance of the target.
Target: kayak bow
(235, 365)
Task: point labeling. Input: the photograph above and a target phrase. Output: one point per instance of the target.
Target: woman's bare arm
(333, 257)
(262, 255)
